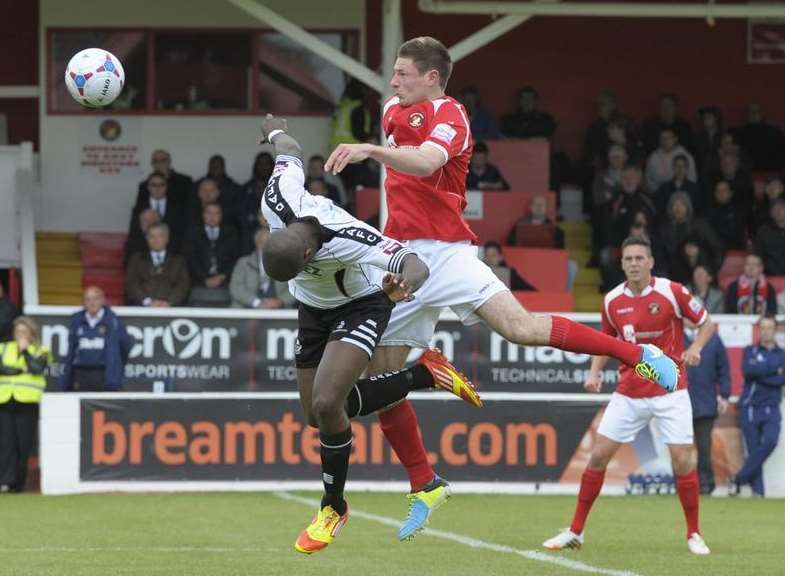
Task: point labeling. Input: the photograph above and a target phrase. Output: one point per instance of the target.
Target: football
(94, 77)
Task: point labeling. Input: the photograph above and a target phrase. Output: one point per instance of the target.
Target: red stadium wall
(570, 60)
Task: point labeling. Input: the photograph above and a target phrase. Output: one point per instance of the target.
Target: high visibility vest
(341, 128)
(25, 387)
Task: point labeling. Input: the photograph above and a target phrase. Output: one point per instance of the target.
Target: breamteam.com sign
(256, 439)
(238, 354)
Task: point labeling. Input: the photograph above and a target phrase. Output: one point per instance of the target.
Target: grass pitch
(253, 534)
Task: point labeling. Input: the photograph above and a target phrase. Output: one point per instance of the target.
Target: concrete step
(588, 302)
(588, 277)
(62, 298)
(59, 267)
(54, 278)
(56, 261)
(57, 244)
(577, 235)
(582, 257)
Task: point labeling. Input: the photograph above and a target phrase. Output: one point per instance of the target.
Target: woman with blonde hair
(23, 362)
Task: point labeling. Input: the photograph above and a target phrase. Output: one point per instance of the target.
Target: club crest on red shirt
(654, 308)
(416, 119)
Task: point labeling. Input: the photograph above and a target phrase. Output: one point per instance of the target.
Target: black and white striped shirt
(354, 256)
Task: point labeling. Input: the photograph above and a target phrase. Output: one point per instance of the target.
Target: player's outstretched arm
(274, 131)
(403, 286)
(422, 161)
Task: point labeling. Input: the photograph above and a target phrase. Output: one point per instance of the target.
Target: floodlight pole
(392, 36)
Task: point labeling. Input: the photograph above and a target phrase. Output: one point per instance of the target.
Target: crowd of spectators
(695, 193)
(692, 192)
(198, 243)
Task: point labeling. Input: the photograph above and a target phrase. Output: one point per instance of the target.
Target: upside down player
(645, 309)
(427, 158)
(346, 277)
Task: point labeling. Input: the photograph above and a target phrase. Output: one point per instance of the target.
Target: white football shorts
(624, 417)
(458, 280)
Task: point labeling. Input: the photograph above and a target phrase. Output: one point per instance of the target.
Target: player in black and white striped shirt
(346, 277)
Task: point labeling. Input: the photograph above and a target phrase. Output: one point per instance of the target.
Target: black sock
(376, 392)
(335, 452)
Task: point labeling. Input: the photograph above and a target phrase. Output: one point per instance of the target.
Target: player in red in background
(645, 309)
(429, 145)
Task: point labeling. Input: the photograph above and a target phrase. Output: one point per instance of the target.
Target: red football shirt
(429, 207)
(655, 317)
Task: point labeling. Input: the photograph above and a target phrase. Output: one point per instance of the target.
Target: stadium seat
(726, 279)
(544, 268)
(778, 282)
(366, 203)
(525, 164)
(102, 263)
(546, 301)
(500, 211)
(111, 281)
(733, 265)
(535, 235)
(102, 250)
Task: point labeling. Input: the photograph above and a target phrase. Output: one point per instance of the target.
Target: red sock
(574, 337)
(591, 484)
(399, 425)
(689, 495)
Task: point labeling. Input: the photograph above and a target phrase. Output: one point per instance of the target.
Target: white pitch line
(474, 542)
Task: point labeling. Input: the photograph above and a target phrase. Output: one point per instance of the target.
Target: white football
(94, 77)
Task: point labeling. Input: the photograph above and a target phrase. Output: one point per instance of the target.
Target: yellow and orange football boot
(321, 531)
(447, 377)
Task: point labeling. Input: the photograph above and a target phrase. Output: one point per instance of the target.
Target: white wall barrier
(535, 432)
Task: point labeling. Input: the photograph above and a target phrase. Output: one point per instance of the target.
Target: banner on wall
(108, 442)
(189, 354)
(259, 439)
(223, 354)
(110, 146)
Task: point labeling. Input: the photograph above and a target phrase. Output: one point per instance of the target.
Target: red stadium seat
(500, 211)
(546, 301)
(366, 203)
(733, 263)
(525, 164)
(102, 250)
(727, 279)
(544, 268)
(535, 235)
(778, 282)
(111, 281)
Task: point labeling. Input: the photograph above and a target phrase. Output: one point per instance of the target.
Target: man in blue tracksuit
(708, 384)
(98, 347)
(759, 406)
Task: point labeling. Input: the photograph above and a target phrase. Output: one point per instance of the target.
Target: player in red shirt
(651, 310)
(429, 145)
